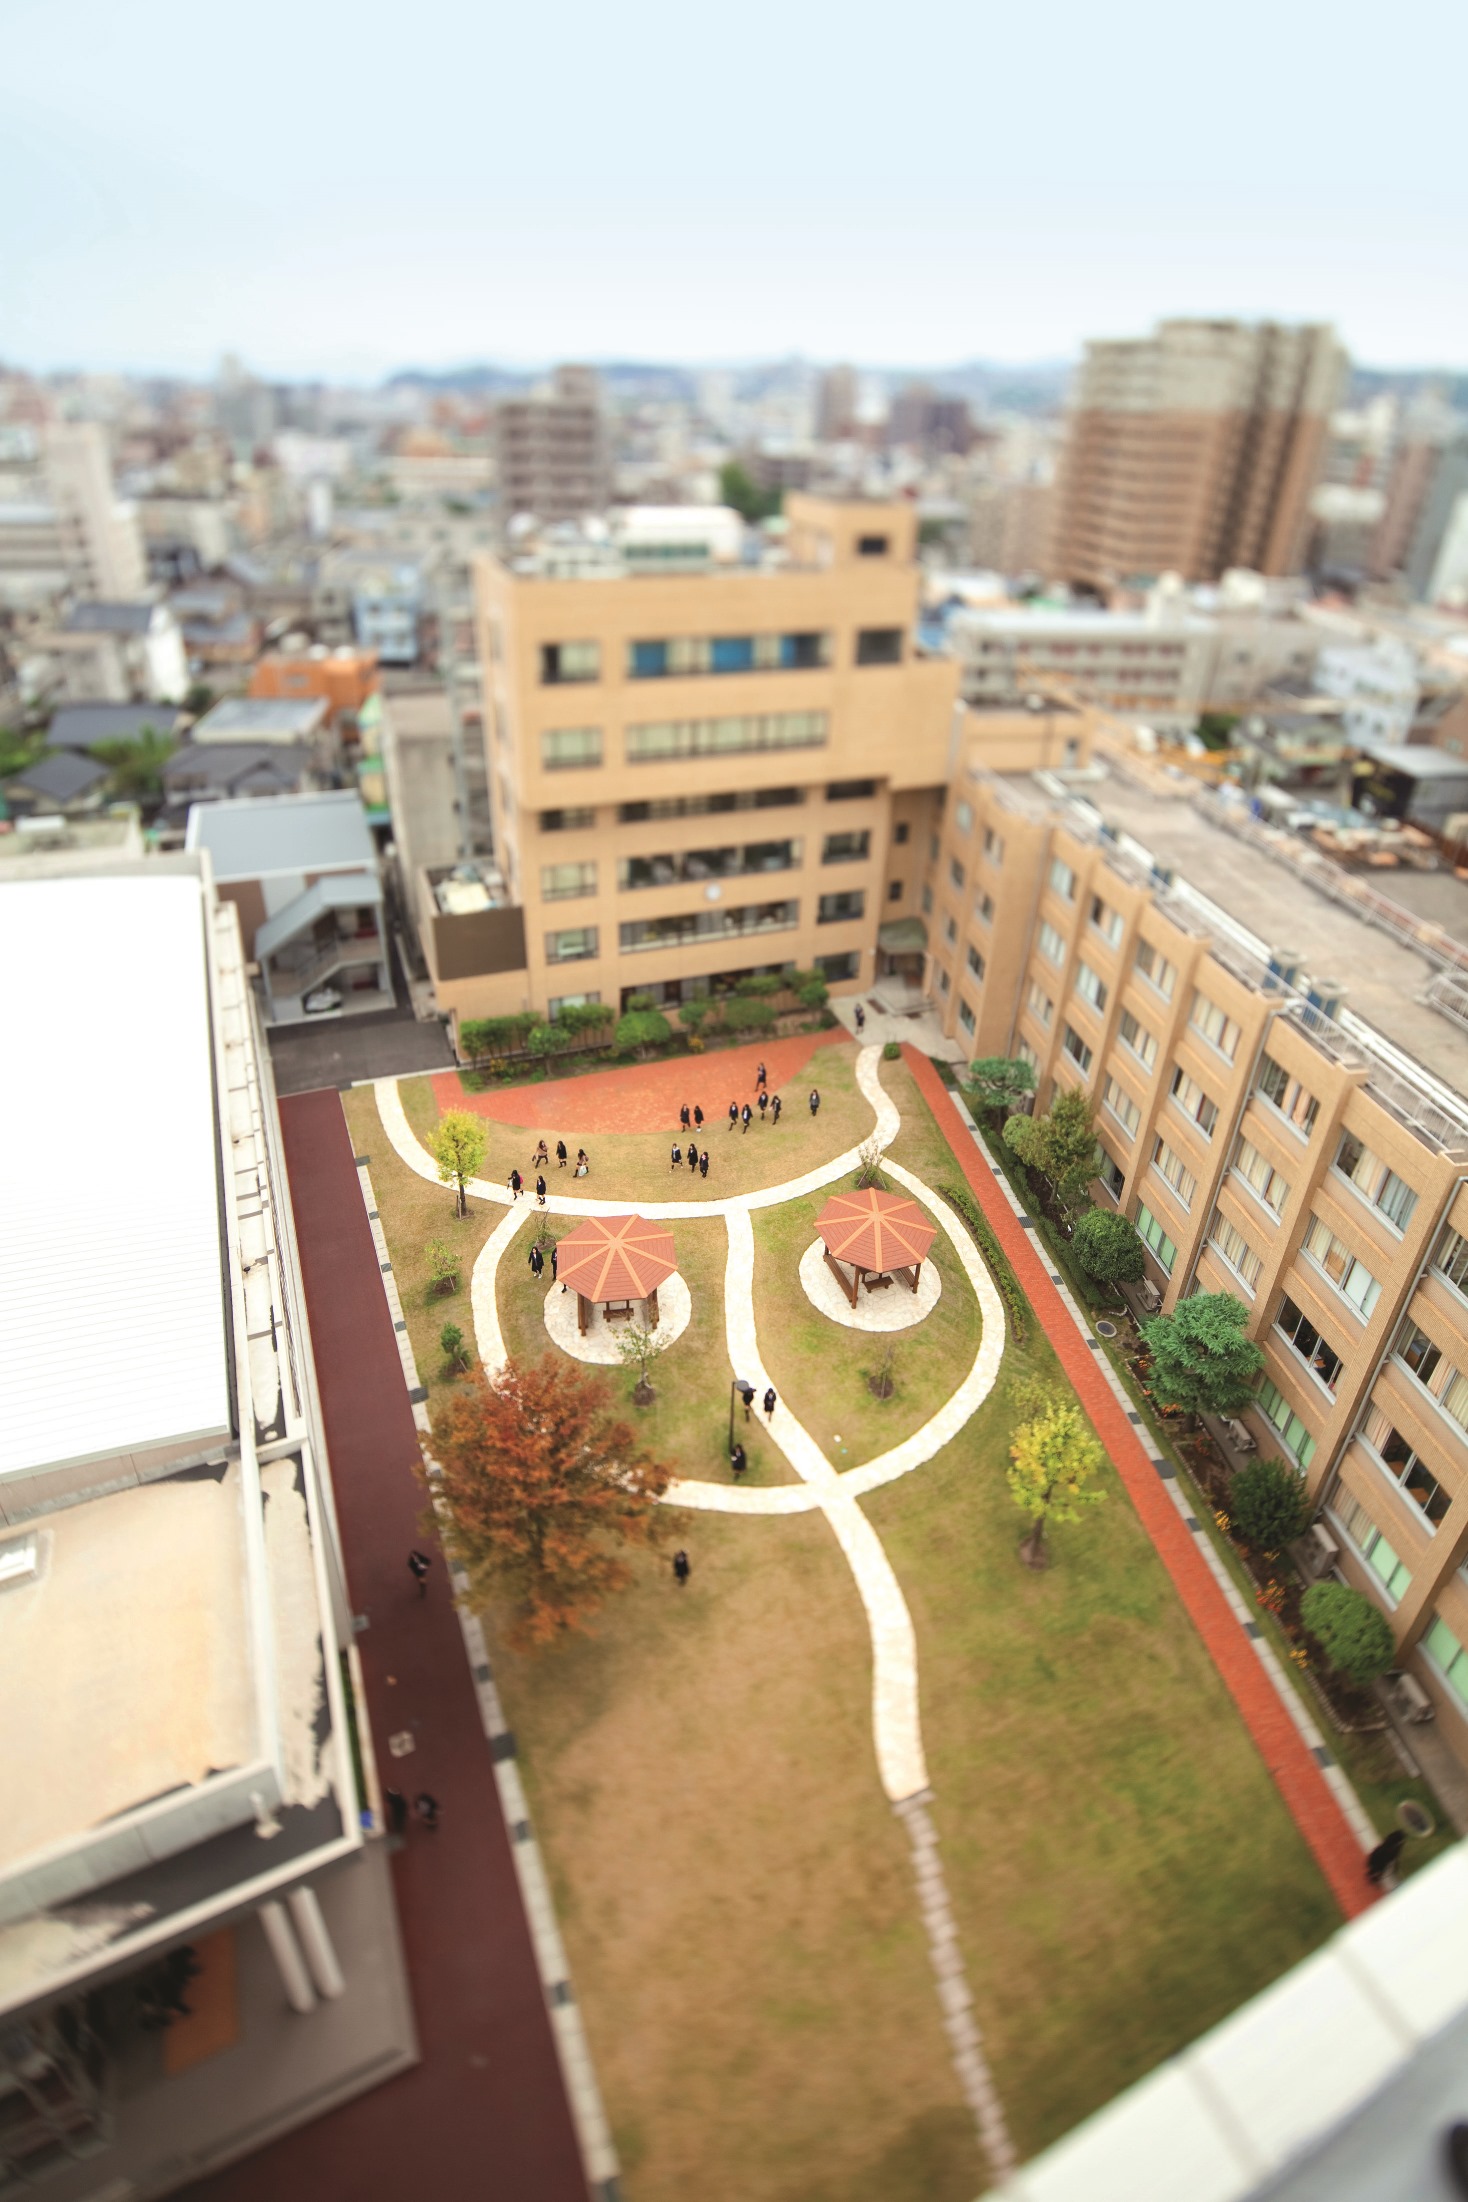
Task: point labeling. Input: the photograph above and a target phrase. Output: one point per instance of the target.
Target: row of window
(573, 944)
(579, 748)
(563, 664)
(578, 818)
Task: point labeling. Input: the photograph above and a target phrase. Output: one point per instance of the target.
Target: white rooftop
(111, 1284)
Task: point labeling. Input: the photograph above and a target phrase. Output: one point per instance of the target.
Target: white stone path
(896, 1718)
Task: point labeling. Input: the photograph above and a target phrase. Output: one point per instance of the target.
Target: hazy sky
(342, 190)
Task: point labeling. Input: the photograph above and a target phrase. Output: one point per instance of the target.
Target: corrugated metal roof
(283, 833)
(111, 1285)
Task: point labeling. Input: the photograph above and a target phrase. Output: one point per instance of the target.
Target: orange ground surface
(645, 1097)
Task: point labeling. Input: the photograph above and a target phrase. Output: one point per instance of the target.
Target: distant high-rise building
(1437, 565)
(62, 527)
(836, 404)
(1427, 430)
(1195, 449)
(935, 425)
(552, 449)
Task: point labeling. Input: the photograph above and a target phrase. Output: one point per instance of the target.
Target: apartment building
(551, 451)
(699, 775)
(1279, 1112)
(1194, 450)
(62, 526)
(200, 1942)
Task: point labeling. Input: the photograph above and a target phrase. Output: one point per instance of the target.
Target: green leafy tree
(1053, 1458)
(1354, 1634)
(451, 1339)
(1202, 1361)
(458, 1145)
(547, 1039)
(443, 1266)
(638, 1346)
(997, 1082)
(737, 489)
(1061, 1144)
(136, 765)
(1268, 1502)
(641, 1030)
(747, 1013)
(544, 1491)
(1107, 1247)
(693, 1016)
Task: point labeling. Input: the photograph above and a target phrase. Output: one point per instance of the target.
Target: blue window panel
(649, 660)
(733, 654)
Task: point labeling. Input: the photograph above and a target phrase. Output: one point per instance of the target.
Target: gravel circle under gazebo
(899, 1310)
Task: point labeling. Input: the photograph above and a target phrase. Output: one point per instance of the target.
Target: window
(1209, 1021)
(569, 661)
(1399, 1460)
(1351, 1278)
(843, 966)
(1447, 1657)
(1194, 1102)
(993, 847)
(900, 831)
(1378, 1186)
(894, 890)
(699, 806)
(856, 791)
(1051, 946)
(1024, 1053)
(1293, 1435)
(1108, 922)
(1091, 987)
(732, 861)
(1063, 880)
(674, 932)
(927, 901)
(1170, 1166)
(966, 1017)
(846, 848)
(1418, 1351)
(1370, 1543)
(1325, 1363)
(1451, 1258)
(943, 982)
(681, 656)
(984, 909)
(1234, 1248)
(1076, 1048)
(838, 909)
(955, 873)
(1111, 1174)
(950, 929)
(1155, 969)
(1261, 1177)
(573, 945)
(871, 546)
(879, 645)
(1152, 1235)
(1038, 1002)
(1122, 1106)
(564, 748)
(1138, 1039)
(669, 738)
(558, 882)
(975, 962)
(566, 821)
(963, 817)
(1296, 1104)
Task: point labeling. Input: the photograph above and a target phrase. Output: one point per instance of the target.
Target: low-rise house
(61, 782)
(216, 772)
(148, 643)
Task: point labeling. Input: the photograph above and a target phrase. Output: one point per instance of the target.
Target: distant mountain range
(1033, 388)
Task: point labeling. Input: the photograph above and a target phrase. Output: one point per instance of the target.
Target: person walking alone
(764, 1102)
(733, 1114)
(516, 1183)
(684, 1116)
(681, 1568)
(540, 1192)
(861, 1019)
(775, 1107)
(746, 1116)
(759, 1076)
(697, 1116)
(425, 1804)
(677, 1161)
(418, 1565)
(583, 1163)
(537, 1262)
(561, 1156)
(815, 1101)
(770, 1404)
(738, 1462)
(703, 1163)
(541, 1157)
(692, 1156)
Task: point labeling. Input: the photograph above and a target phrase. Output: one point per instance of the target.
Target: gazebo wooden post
(582, 1315)
(652, 1309)
(915, 1273)
(840, 1275)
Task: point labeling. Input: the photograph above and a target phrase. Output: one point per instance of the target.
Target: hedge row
(1017, 1307)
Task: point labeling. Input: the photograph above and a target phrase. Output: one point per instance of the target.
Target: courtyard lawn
(735, 1893)
(820, 1368)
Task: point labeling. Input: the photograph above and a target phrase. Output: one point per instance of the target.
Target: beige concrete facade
(1263, 1147)
(667, 830)
(1193, 450)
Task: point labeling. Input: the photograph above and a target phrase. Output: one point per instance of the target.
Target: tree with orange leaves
(541, 1485)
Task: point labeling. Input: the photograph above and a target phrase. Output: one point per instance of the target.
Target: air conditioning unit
(1407, 1698)
(1151, 1297)
(1321, 1550)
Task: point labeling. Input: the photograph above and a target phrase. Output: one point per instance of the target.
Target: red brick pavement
(483, 2117)
(1284, 1751)
(641, 1097)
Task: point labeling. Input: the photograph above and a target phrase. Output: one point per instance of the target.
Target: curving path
(896, 1714)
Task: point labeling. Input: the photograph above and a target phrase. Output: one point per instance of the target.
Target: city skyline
(168, 203)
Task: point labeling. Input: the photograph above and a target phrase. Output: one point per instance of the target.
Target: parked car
(325, 997)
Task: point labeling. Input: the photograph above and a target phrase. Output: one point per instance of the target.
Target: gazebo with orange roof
(611, 1262)
(877, 1236)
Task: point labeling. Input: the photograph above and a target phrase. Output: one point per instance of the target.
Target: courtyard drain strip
(588, 2113)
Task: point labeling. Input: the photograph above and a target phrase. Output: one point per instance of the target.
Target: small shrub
(636, 1002)
(443, 1266)
(542, 1040)
(451, 1339)
(693, 1016)
(747, 1013)
(481, 1036)
(1268, 1503)
(891, 1051)
(812, 992)
(881, 1381)
(761, 982)
(869, 1169)
(588, 1017)
(1354, 1634)
(641, 1029)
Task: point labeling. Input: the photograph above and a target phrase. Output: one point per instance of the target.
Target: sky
(336, 192)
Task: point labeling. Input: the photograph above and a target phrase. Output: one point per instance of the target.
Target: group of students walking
(540, 1163)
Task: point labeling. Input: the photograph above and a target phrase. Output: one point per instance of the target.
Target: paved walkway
(1324, 1810)
(484, 2117)
(644, 1097)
